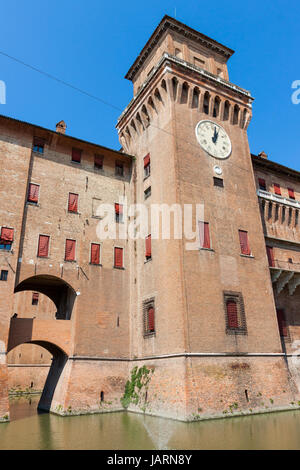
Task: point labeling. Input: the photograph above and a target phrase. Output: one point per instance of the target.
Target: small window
(119, 213)
(95, 253)
(277, 189)
(199, 62)
(33, 193)
(234, 313)
(147, 166)
(38, 145)
(6, 238)
(76, 155)
(204, 235)
(262, 184)
(43, 249)
(219, 182)
(147, 193)
(35, 298)
(149, 318)
(119, 169)
(148, 248)
(70, 250)
(119, 262)
(98, 162)
(291, 193)
(244, 242)
(3, 275)
(73, 203)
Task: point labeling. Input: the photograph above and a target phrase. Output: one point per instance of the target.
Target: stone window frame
(238, 298)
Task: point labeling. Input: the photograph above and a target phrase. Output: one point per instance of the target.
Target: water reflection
(118, 431)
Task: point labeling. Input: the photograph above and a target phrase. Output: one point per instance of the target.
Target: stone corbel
(284, 280)
(275, 275)
(294, 284)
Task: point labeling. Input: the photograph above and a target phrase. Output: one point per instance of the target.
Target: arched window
(206, 102)
(195, 101)
(244, 120)
(216, 107)
(184, 93)
(174, 86)
(236, 114)
(226, 110)
(235, 313)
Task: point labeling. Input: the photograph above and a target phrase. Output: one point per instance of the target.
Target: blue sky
(91, 44)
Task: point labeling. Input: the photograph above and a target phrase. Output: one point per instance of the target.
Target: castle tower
(203, 319)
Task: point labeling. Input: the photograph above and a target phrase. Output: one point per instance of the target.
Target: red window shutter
(7, 235)
(291, 193)
(95, 253)
(282, 323)
(148, 247)
(33, 193)
(118, 257)
(277, 189)
(147, 160)
(76, 155)
(270, 253)
(73, 202)
(43, 249)
(262, 184)
(119, 209)
(204, 235)
(70, 250)
(244, 242)
(232, 314)
(151, 319)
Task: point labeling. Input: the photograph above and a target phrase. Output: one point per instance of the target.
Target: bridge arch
(58, 290)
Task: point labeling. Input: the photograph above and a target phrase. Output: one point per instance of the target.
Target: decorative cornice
(170, 24)
(277, 167)
(167, 60)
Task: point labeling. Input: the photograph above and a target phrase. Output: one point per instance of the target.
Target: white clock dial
(213, 139)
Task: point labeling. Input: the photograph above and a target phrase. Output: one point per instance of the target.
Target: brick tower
(215, 343)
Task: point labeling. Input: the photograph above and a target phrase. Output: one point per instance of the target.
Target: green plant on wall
(136, 388)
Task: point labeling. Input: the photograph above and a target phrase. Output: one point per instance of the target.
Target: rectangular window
(219, 182)
(43, 249)
(95, 253)
(38, 145)
(204, 235)
(3, 275)
(6, 238)
(33, 193)
(262, 184)
(244, 242)
(149, 317)
(148, 247)
(98, 162)
(234, 313)
(119, 262)
(73, 203)
(119, 171)
(76, 155)
(270, 254)
(282, 325)
(291, 193)
(119, 213)
(277, 189)
(147, 166)
(147, 193)
(35, 298)
(70, 250)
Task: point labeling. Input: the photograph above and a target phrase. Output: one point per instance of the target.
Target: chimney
(61, 127)
(263, 155)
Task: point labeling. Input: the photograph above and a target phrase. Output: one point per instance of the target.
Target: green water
(121, 431)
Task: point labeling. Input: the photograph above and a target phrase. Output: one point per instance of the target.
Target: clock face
(213, 139)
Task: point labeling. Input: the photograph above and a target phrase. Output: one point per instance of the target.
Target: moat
(126, 431)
